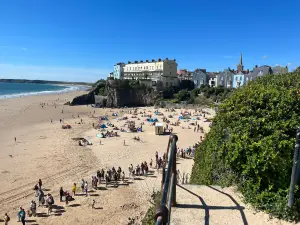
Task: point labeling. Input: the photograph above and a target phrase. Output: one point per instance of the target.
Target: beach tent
(180, 117)
(114, 114)
(159, 128)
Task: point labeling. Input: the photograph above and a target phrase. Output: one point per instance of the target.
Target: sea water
(13, 90)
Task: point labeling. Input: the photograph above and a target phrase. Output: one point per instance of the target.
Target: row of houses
(152, 71)
(229, 78)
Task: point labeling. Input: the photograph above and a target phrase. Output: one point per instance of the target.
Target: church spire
(241, 59)
(240, 66)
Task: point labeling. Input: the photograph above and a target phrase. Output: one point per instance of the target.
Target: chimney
(141, 61)
(159, 59)
(256, 66)
(174, 60)
(153, 60)
(167, 58)
(147, 60)
(247, 70)
(129, 62)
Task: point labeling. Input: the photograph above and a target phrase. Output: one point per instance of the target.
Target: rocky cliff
(120, 94)
(84, 99)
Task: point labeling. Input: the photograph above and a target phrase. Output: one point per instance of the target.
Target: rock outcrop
(120, 96)
(88, 98)
(84, 99)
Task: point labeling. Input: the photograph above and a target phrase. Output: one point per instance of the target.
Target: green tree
(183, 95)
(251, 143)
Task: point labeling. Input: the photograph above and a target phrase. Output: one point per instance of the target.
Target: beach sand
(43, 150)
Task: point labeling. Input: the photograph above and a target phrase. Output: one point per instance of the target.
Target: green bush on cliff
(251, 143)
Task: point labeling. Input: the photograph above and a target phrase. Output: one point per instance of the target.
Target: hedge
(251, 144)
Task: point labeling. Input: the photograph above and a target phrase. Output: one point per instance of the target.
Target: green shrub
(251, 143)
(183, 95)
(149, 217)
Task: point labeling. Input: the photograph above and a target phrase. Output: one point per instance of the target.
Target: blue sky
(82, 40)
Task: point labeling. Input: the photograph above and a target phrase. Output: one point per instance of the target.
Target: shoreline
(67, 89)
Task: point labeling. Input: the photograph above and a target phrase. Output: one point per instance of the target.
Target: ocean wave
(65, 90)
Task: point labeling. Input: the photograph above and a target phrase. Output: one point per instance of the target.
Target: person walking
(6, 219)
(33, 208)
(61, 194)
(40, 184)
(82, 185)
(74, 189)
(86, 188)
(23, 216)
(19, 214)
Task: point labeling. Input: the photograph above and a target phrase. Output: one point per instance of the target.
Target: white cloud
(10, 71)
(264, 57)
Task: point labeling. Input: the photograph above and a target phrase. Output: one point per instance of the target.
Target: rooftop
(149, 61)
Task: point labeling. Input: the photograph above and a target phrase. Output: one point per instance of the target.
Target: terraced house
(184, 74)
(149, 71)
(200, 77)
(225, 78)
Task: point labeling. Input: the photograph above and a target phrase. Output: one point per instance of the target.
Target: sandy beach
(43, 150)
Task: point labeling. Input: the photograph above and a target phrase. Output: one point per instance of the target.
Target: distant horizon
(83, 41)
(58, 81)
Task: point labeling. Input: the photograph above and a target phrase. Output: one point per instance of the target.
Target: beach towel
(99, 135)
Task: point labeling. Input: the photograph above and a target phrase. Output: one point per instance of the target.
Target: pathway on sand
(211, 205)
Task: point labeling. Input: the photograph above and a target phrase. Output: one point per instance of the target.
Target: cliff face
(84, 99)
(118, 96)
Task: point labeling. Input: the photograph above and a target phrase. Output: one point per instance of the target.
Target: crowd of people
(110, 176)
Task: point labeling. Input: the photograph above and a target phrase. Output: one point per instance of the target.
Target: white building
(160, 70)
